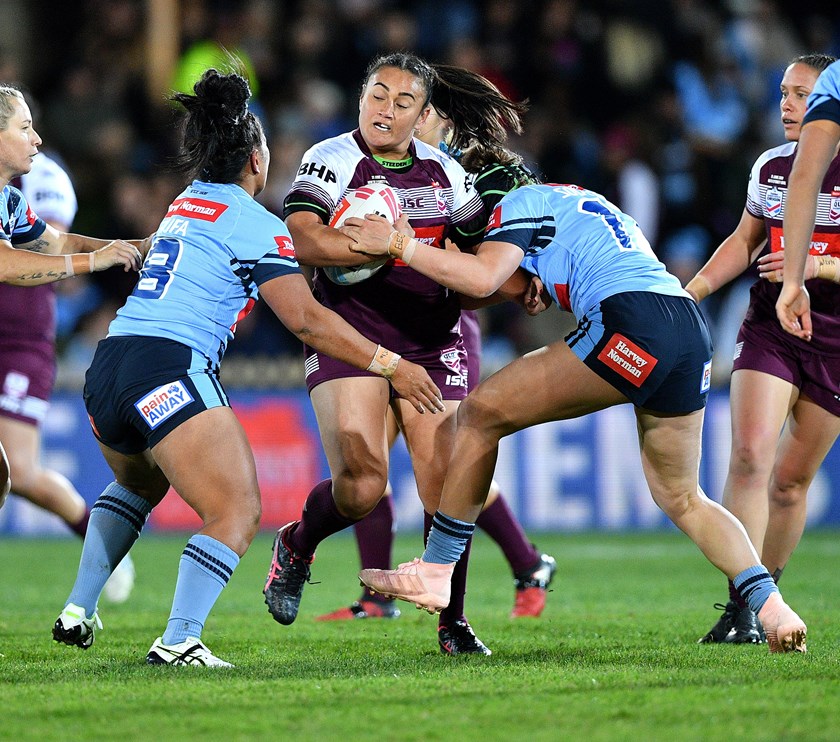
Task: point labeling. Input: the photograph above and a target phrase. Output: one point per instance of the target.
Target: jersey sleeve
(824, 101)
(321, 179)
(753, 205)
(263, 248)
(517, 221)
(24, 224)
(468, 215)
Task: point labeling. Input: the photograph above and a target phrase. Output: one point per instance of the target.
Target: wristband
(384, 362)
(401, 246)
(81, 262)
(825, 267)
(68, 266)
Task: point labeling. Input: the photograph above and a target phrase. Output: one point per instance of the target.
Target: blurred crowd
(661, 105)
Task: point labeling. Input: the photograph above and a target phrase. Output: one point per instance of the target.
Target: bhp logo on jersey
(197, 208)
(163, 402)
(627, 359)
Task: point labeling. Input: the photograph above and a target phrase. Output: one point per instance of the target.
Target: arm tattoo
(36, 275)
(38, 245)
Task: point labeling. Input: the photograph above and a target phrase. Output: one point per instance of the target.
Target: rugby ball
(374, 198)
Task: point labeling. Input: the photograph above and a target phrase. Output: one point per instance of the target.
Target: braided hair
(219, 132)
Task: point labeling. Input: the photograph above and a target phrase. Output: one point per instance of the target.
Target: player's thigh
(759, 403)
(209, 462)
(551, 383)
(351, 415)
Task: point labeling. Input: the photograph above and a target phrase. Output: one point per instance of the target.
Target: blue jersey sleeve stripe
(827, 109)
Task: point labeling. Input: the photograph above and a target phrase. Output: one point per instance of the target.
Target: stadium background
(662, 105)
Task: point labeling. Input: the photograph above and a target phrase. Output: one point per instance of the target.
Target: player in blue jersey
(783, 392)
(640, 339)
(32, 252)
(153, 394)
(818, 146)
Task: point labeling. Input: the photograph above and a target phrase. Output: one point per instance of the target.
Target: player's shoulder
(788, 149)
(829, 79)
(335, 148)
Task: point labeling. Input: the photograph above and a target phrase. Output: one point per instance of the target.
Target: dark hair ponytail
(219, 132)
(481, 116)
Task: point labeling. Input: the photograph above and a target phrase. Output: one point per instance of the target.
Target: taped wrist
(384, 362)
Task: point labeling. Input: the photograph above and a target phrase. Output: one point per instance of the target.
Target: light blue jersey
(824, 101)
(582, 247)
(215, 246)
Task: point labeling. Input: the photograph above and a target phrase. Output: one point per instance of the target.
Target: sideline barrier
(573, 475)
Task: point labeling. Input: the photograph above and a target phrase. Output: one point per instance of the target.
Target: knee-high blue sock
(205, 568)
(755, 584)
(447, 539)
(116, 520)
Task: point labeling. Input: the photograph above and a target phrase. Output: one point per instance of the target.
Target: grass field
(613, 657)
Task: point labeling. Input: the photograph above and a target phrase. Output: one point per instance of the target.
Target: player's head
(800, 76)
(219, 132)
(18, 139)
(394, 102)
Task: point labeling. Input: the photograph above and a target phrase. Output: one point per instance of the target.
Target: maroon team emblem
(834, 209)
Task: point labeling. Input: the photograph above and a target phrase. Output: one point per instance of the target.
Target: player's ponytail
(219, 132)
(481, 116)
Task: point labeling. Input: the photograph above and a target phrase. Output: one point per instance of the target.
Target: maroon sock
(455, 610)
(735, 596)
(81, 527)
(500, 524)
(320, 519)
(375, 538)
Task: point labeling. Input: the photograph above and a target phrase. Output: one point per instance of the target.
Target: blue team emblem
(773, 202)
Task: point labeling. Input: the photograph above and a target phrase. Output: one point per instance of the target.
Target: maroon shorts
(471, 332)
(764, 346)
(27, 375)
(447, 367)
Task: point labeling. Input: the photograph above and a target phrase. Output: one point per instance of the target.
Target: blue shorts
(655, 349)
(139, 389)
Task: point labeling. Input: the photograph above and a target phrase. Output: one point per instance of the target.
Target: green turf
(613, 657)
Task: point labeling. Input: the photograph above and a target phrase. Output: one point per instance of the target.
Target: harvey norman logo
(627, 359)
(163, 402)
(197, 208)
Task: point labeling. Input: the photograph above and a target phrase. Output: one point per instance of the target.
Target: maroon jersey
(397, 307)
(766, 200)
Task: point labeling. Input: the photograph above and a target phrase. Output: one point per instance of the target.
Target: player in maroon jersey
(412, 314)
(533, 570)
(785, 409)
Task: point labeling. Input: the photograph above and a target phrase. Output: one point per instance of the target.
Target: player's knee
(480, 414)
(356, 495)
(788, 492)
(747, 459)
